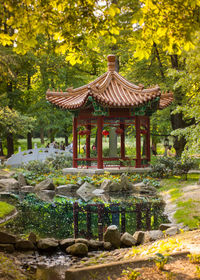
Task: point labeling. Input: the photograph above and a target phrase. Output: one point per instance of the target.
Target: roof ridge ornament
(111, 62)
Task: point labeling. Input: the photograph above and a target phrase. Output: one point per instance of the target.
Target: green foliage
(160, 260)
(131, 274)
(37, 167)
(166, 166)
(59, 161)
(194, 258)
(5, 209)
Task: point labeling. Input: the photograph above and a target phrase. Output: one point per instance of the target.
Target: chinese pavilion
(111, 102)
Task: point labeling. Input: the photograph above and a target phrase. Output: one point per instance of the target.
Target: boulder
(128, 240)
(82, 240)
(66, 189)
(155, 235)
(21, 180)
(139, 236)
(5, 174)
(98, 192)
(172, 231)
(32, 237)
(107, 246)
(8, 184)
(78, 249)
(112, 235)
(66, 243)
(166, 226)
(125, 184)
(27, 189)
(85, 191)
(105, 185)
(115, 187)
(95, 244)
(47, 244)
(8, 248)
(46, 195)
(7, 238)
(24, 245)
(45, 185)
(139, 185)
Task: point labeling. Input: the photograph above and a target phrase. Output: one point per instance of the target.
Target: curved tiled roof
(109, 90)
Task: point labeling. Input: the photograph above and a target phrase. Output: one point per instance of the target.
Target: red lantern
(119, 131)
(81, 132)
(105, 133)
(87, 132)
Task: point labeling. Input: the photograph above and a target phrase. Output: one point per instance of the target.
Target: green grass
(188, 211)
(5, 209)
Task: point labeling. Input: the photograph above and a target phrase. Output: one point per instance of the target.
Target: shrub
(59, 161)
(166, 166)
(37, 167)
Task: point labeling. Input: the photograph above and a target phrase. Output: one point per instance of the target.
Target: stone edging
(115, 268)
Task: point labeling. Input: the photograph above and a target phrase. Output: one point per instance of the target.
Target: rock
(47, 244)
(166, 226)
(78, 249)
(24, 245)
(7, 238)
(115, 187)
(21, 180)
(66, 243)
(105, 185)
(155, 235)
(46, 195)
(139, 236)
(45, 185)
(140, 185)
(128, 240)
(107, 246)
(125, 184)
(66, 189)
(172, 231)
(8, 248)
(95, 245)
(112, 235)
(98, 192)
(8, 184)
(85, 191)
(82, 240)
(5, 174)
(32, 237)
(27, 189)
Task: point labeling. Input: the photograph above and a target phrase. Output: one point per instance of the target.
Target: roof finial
(111, 62)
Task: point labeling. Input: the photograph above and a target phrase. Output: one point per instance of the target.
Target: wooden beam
(138, 142)
(99, 142)
(75, 165)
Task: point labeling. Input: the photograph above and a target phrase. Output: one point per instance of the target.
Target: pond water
(62, 217)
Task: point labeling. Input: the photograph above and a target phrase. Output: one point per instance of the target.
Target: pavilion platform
(111, 170)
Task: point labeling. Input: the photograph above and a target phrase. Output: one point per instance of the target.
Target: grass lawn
(187, 201)
(5, 209)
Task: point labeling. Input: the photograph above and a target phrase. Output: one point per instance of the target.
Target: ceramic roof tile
(111, 90)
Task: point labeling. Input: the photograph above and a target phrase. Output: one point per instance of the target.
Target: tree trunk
(29, 140)
(66, 141)
(42, 135)
(51, 135)
(10, 145)
(178, 122)
(1, 148)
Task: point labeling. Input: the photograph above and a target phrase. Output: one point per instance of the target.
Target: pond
(64, 217)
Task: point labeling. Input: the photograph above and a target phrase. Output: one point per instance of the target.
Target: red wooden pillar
(88, 144)
(138, 142)
(99, 142)
(148, 147)
(122, 126)
(75, 154)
